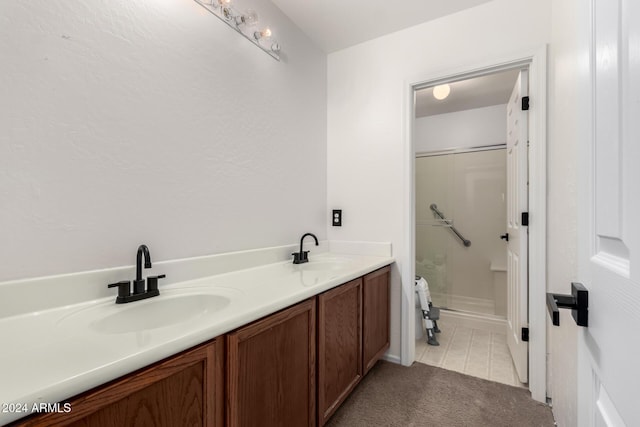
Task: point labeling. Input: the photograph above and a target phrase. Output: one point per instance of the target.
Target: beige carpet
(422, 395)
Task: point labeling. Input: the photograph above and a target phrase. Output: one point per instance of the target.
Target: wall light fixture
(243, 23)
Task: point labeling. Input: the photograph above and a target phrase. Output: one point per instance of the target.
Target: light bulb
(440, 92)
(225, 9)
(227, 13)
(250, 18)
(264, 34)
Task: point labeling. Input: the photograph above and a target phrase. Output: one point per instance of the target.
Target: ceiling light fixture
(440, 92)
(243, 23)
(250, 18)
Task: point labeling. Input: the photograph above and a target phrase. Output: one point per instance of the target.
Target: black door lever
(578, 302)
(505, 236)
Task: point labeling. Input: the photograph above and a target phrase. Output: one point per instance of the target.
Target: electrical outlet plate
(336, 218)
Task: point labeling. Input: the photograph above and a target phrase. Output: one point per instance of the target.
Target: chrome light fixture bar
(245, 24)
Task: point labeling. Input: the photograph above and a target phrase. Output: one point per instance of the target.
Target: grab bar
(434, 208)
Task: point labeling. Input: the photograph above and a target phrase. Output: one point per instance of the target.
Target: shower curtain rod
(434, 208)
(461, 150)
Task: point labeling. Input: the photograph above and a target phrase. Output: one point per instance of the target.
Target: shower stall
(460, 216)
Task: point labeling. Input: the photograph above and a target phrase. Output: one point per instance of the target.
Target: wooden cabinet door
(271, 370)
(339, 346)
(185, 390)
(375, 291)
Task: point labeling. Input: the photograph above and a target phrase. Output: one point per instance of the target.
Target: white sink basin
(160, 313)
(172, 307)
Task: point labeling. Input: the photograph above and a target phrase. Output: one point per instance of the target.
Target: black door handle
(578, 302)
(505, 236)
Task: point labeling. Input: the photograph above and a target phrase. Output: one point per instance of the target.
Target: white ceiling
(337, 24)
(483, 91)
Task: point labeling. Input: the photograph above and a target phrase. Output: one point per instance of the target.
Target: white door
(517, 202)
(609, 241)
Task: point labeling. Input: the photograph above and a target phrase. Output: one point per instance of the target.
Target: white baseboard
(391, 358)
(464, 303)
(474, 321)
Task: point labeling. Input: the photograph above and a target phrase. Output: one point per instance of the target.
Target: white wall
(477, 127)
(366, 85)
(131, 121)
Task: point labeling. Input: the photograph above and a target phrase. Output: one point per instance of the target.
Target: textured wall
(365, 112)
(131, 121)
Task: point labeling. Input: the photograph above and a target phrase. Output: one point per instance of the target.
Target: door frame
(536, 60)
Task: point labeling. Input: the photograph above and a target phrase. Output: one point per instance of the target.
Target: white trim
(465, 304)
(536, 60)
(474, 321)
(391, 358)
(407, 264)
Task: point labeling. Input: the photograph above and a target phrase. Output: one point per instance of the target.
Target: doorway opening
(536, 61)
(470, 142)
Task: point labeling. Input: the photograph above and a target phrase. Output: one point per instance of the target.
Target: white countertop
(51, 355)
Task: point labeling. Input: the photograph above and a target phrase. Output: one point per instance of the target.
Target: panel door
(517, 243)
(376, 317)
(609, 238)
(339, 346)
(186, 389)
(271, 370)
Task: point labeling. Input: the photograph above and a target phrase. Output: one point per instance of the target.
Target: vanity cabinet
(184, 390)
(271, 370)
(375, 317)
(292, 368)
(339, 346)
(353, 334)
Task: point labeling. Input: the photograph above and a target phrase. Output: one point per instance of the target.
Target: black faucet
(138, 284)
(139, 289)
(301, 257)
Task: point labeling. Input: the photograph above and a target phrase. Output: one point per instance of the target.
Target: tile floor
(473, 352)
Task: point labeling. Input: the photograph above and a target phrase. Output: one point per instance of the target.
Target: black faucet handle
(300, 257)
(152, 282)
(124, 288)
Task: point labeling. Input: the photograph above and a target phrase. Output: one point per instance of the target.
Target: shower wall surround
(469, 188)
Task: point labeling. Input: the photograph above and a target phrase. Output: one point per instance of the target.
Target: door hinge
(525, 334)
(525, 218)
(525, 103)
